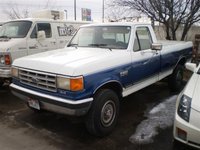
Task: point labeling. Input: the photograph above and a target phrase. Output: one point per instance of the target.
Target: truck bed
(177, 44)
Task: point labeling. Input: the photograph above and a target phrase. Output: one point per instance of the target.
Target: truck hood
(196, 95)
(7, 44)
(74, 61)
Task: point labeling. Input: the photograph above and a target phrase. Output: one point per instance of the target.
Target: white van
(24, 37)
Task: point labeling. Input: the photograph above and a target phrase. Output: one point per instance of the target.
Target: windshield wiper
(97, 45)
(100, 46)
(72, 45)
(4, 36)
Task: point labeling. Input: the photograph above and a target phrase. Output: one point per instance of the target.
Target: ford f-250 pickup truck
(101, 64)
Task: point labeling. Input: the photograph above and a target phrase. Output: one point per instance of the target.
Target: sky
(35, 5)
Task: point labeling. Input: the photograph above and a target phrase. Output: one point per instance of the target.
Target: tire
(102, 117)
(177, 145)
(1, 83)
(176, 79)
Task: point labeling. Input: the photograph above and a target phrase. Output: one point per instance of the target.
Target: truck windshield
(112, 37)
(15, 29)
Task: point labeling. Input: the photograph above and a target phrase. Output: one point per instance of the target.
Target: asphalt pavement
(22, 128)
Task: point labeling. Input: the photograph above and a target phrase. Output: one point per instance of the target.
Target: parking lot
(21, 128)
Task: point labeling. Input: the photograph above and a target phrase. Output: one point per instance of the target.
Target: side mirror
(41, 35)
(191, 66)
(156, 46)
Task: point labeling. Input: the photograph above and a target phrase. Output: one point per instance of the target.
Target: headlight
(72, 84)
(2, 59)
(184, 108)
(5, 59)
(15, 72)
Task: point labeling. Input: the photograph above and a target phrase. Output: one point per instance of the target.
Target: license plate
(34, 103)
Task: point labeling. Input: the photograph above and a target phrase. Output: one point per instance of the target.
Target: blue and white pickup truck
(100, 65)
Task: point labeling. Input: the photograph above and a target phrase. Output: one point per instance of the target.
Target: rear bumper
(52, 103)
(5, 72)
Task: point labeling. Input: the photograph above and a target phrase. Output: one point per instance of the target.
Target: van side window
(46, 27)
(142, 39)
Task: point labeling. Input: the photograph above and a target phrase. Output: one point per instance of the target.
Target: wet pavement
(21, 128)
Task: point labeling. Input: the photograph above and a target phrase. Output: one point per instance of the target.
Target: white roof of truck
(117, 24)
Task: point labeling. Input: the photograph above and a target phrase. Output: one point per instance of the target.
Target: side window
(136, 46)
(46, 27)
(143, 39)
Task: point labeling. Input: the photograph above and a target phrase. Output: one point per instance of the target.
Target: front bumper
(52, 103)
(5, 72)
(192, 132)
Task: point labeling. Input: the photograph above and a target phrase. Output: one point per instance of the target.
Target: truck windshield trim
(111, 37)
(15, 29)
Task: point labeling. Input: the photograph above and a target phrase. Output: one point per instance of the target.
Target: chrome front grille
(39, 80)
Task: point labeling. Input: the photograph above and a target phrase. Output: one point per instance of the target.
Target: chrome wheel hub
(108, 113)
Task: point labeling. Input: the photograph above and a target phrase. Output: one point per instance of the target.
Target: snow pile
(161, 116)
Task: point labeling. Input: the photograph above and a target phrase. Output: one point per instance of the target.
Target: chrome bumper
(52, 103)
(5, 72)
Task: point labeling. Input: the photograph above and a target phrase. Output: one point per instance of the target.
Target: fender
(107, 83)
(182, 60)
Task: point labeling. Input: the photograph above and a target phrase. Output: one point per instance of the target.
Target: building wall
(160, 33)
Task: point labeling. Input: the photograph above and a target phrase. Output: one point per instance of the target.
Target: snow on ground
(160, 117)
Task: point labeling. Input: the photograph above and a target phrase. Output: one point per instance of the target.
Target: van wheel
(1, 83)
(176, 79)
(103, 115)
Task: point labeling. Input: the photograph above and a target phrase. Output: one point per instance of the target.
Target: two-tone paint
(124, 70)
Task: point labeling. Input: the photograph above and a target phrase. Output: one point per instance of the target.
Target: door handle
(155, 52)
(151, 51)
(53, 42)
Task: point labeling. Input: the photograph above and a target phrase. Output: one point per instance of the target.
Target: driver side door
(145, 61)
(36, 45)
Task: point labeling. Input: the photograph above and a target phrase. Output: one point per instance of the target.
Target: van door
(64, 33)
(36, 45)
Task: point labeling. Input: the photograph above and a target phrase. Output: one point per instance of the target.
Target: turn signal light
(76, 84)
(181, 134)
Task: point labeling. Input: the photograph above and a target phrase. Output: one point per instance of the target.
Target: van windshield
(112, 37)
(15, 29)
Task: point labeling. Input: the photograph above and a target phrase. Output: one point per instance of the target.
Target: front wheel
(103, 115)
(176, 79)
(1, 83)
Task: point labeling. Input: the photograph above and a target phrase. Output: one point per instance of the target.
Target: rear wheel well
(181, 62)
(116, 87)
